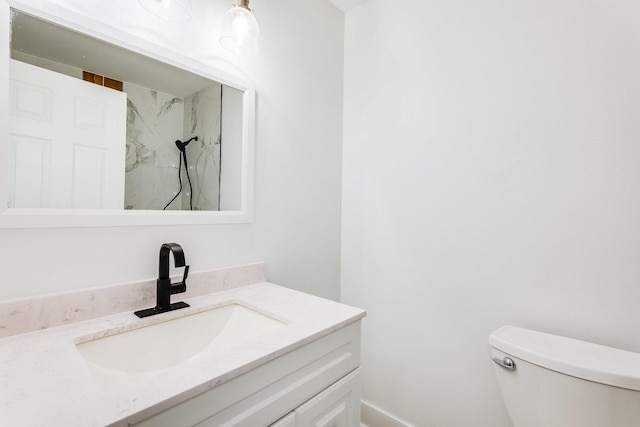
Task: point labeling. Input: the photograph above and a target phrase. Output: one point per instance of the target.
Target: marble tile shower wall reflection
(155, 121)
(202, 119)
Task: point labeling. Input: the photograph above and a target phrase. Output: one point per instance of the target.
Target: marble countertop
(44, 381)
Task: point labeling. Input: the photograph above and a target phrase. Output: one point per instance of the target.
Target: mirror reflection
(93, 126)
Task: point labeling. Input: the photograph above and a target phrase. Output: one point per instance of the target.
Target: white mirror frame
(53, 218)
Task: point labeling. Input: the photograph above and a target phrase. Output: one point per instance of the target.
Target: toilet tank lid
(593, 362)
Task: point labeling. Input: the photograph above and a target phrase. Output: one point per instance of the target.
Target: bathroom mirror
(160, 139)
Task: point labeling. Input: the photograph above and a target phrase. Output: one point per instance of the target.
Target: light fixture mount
(244, 4)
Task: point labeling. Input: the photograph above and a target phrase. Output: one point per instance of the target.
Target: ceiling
(49, 41)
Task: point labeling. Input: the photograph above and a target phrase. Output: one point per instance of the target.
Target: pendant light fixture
(171, 10)
(240, 31)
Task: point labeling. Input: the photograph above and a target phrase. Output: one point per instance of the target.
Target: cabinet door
(337, 406)
(288, 420)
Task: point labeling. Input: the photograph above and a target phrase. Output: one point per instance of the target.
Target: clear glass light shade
(240, 32)
(171, 10)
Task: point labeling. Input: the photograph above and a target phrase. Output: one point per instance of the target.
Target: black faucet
(164, 287)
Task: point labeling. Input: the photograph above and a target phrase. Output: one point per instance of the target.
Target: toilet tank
(563, 382)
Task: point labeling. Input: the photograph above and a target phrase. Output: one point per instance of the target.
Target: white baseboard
(372, 416)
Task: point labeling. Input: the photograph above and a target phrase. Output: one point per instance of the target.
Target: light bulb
(240, 29)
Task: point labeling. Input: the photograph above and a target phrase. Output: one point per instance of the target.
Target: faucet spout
(164, 287)
(163, 264)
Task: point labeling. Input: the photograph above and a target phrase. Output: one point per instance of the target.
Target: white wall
(298, 76)
(491, 176)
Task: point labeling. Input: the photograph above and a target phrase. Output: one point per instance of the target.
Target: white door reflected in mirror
(65, 141)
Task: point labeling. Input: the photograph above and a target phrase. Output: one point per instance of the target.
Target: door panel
(286, 421)
(85, 126)
(337, 406)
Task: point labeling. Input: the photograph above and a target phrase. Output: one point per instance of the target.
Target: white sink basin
(121, 357)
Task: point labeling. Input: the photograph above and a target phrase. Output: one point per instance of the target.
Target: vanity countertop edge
(45, 381)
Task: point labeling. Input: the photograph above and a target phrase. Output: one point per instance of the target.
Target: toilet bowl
(552, 381)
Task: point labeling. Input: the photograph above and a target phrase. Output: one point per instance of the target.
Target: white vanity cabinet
(317, 384)
(288, 420)
(337, 406)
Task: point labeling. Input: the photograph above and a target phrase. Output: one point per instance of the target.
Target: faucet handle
(178, 288)
(186, 273)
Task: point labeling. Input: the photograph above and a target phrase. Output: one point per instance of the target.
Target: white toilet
(552, 381)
